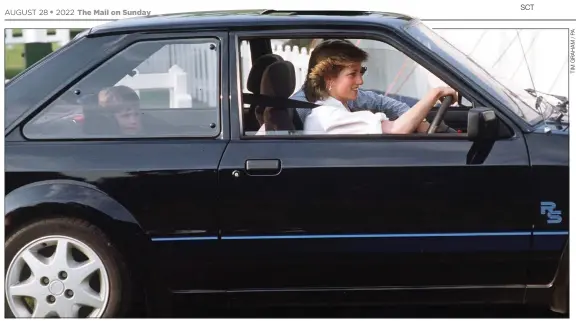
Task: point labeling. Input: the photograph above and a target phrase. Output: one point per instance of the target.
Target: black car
(181, 199)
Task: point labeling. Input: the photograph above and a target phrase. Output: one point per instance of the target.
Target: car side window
(166, 88)
(392, 73)
(245, 64)
(393, 82)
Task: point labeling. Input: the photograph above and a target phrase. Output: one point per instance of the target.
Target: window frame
(125, 43)
(440, 70)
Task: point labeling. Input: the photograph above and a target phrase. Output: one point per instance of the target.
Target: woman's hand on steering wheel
(447, 91)
(450, 96)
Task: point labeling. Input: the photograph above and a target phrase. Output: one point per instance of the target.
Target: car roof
(243, 18)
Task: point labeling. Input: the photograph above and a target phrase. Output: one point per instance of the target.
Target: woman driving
(334, 80)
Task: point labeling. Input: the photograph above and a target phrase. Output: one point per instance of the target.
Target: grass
(13, 55)
(14, 61)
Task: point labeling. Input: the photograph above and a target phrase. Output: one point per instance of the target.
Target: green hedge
(14, 62)
(74, 32)
(10, 73)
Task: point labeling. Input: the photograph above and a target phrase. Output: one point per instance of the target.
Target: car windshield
(516, 99)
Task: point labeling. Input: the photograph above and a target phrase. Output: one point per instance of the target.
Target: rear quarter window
(27, 90)
(159, 88)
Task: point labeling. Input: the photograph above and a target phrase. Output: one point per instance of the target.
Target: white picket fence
(174, 80)
(188, 81)
(188, 71)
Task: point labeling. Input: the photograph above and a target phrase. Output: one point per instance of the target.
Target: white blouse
(332, 117)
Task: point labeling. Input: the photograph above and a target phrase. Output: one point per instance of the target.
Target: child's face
(129, 120)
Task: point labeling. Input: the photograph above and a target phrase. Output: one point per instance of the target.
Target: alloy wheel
(57, 276)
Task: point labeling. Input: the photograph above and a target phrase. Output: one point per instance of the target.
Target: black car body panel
(65, 192)
(111, 166)
(549, 158)
(376, 219)
(386, 218)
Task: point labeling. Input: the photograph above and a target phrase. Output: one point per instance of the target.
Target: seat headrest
(279, 80)
(257, 70)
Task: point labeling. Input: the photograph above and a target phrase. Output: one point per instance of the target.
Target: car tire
(77, 284)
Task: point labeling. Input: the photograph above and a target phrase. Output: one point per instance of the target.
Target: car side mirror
(482, 124)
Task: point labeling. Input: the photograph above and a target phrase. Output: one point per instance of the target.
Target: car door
(359, 212)
(164, 175)
(335, 212)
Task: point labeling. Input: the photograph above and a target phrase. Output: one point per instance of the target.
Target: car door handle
(263, 166)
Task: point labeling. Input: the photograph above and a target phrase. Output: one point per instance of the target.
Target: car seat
(252, 121)
(279, 81)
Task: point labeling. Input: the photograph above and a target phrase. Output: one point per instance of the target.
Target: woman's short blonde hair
(327, 60)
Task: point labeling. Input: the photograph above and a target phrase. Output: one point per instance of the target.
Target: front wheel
(64, 267)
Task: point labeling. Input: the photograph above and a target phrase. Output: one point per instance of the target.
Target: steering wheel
(446, 102)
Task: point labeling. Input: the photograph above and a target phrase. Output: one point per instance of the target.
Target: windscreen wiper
(535, 92)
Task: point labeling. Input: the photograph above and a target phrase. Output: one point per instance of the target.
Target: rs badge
(549, 209)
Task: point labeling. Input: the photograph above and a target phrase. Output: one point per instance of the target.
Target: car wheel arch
(31, 203)
(70, 193)
(70, 198)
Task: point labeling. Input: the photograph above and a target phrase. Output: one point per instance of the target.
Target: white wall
(500, 52)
